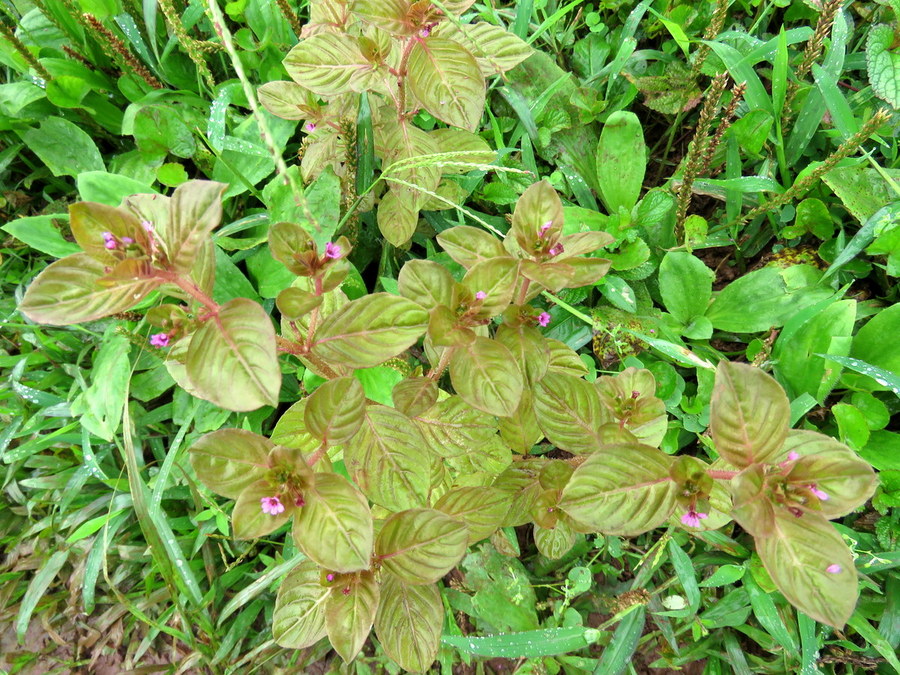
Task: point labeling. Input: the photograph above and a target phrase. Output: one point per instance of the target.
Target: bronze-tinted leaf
(414, 395)
(528, 348)
(334, 411)
(228, 460)
(89, 220)
(349, 614)
(299, 619)
(453, 427)
(397, 217)
(248, 520)
(196, 209)
(446, 79)
(482, 509)
(539, 205)
(231, 359)
(468, 245)
(409, 623)
(496, 278)
(556, 542)
(520, 431)
(420, 546)
(568, 412)
(485, 375)
(426, 283)
(329, 64)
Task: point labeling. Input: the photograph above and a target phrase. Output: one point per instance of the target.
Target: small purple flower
(425, 32)
(271, 505)
(556, 250)
(310, 127)
(793, 456)
(543, 229)
(109, 241)
(147, 225)
(692, 518)
(480, 295)
(332, 250)
(834, 568)
(127, 240)
(159, 339)
(821, 494)
(329, 576)
(543, 319)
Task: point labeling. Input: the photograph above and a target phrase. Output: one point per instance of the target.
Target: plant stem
(721, 475)
(436, 372)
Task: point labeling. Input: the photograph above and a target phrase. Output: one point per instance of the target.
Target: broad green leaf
(530, 644)
(159, 130)
(63, 147)
(749, 414)
(388, 15)
(228, 460)
(248, 521)
(287, 100)
(334, 411)
(870, 346)
(798, 554)
(554, 542)
(389, 460)
(414, 395)
(539, 205)
(370, 330)
(397, 220)
(565, 360)
(349, 614)
(569, 413)
(290, 430)
(883, 64)
(528, 347)
(495, 278)
(90, 220)
(100, 405)
(520, 431)
(485, 375)
(621, 161)
(623, 489)
(299, 619)
(334, 527)
(468, 245)
(426, 283)
(40, 233)
(495, 49)
(232, 361)
(409, 623)
(685, 284)
(482, 509)
(420, 546)
(833, 468)
(68, 292)
(452, 428)
(329, 64)
(294, 303)
(445, 78)
(196, 211)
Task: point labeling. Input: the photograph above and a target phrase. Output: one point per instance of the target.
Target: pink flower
(271, 505)
(109, 241)
(480, 295)
(556, 250)
(127, 240)
(310, 127)
(793, 456)
(692, 518)
(543, 229)
(424, 33)
(543, 319)
(332, 250)
(834, 568)
(821, 494)
(159, 339)
(147, 225)
(329, 576)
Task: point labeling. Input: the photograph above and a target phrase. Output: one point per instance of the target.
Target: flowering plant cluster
(385, 499)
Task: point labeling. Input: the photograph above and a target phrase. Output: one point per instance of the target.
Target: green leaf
(568, 412)
(388, 459)
(630, 402)
(287, 100)
(196, 209)
(228, 460)
(870, 346)
(495, 49)
(414, 395)
(37, 588)
(370, 330)
(797, 554)
(539, 205)
(554, 542)
(529, 644)
(248, 520)
(883, 65)
(329, 64)
(621, 161)
(445, 78)
(64, 148)
(482, 509)
(520, 431)
(388, 15)
(409, 622)
(453, 428)
(528, 348)
(101, 404)
(232, 361)
(623, 489)
(334, 527)
(420, 546)
(749, 414)
(68, 292)
(685, 284)
(469, 245)
(349, 616)
(485, 375)
(495, 278)
(299, 619)
(334, 412)
(397, 220)
(40, 233)
(160, 130)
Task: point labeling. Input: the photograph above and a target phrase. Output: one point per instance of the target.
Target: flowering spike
(271, 505)
(159, 339)
(543, 319)
(332, 250)
(834, 568)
